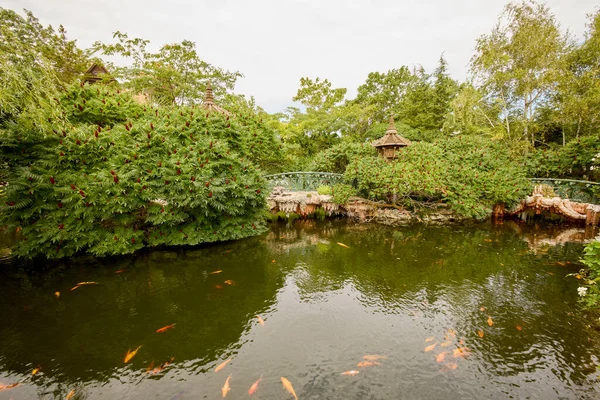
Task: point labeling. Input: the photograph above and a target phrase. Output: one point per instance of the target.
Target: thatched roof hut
(391, 142)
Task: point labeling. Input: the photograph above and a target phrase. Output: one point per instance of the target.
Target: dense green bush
(342, 192)
(170, 177)
(336, 158)
(590, 292)
(471, 174)
(575, 160)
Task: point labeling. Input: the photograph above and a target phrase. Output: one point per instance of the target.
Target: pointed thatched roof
(209, 102)
(391, 137)
(94, 73)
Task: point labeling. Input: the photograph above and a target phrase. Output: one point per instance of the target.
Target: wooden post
(592, 216)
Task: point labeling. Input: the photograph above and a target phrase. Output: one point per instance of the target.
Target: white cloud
(275, 42)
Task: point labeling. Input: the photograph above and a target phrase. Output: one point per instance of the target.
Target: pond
(475, 312)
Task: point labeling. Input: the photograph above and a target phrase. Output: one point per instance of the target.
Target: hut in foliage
(209, 102)
(391, 142)
(95, 73)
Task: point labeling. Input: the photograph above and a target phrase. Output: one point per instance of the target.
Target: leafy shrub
(342, 192)
(323, 190)
(336, 158)
(575, 160)
(170, 177)
(471, 174)
(590, 293)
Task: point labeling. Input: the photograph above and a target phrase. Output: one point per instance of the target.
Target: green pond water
(324, 307)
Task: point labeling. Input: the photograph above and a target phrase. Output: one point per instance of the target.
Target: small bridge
(574, 190)
(303, 181)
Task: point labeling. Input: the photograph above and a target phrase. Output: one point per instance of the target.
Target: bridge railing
(303, 181)
(575, 190)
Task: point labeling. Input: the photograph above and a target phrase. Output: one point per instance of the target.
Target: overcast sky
(276, 42)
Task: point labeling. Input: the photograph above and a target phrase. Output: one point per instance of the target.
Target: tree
(318, 95)
(518, 64)
(175, 75)
(444, 90)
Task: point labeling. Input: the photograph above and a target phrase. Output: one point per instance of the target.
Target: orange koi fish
(9, 386)
(450, 366)
(218, 286)
(287, 385)
(260, 320)
(446, 343)
(225, 389)
(480, 332)
(215, 272)
(229, 282)
(430, 347)
(461, 352)
(222, 365)
(373, 357)
(35, 371)
(490, 321)
(343, 245)
(254, 387)
(57, 294)
(165, 328)
(156, 370)
(119, 271)
(70, 395)
(430, 339)
(351, 373)
(130, 354)
(482, 308)
(367, 364)
(82, 284)
(442, 356)
(519, 328)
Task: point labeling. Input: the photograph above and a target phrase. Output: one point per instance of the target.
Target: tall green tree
(519, 63)
(444, 90)
(174, 75)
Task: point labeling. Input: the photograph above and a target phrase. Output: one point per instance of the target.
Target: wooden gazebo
(209, 102)
(95, 74)
(391, 142)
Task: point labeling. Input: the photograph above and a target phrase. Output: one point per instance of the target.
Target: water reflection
(329, 294)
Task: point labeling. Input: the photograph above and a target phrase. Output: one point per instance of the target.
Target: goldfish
(119, 271)
(519, 328)
(351, 373)
(461, 352)
(272, 261)
(452, 332)
(35, 371)
(373, 357)
(343, 245)
(287, 385)
(9, 386)
(562, 264)
(480, 332)
(130, 354)
(215, 272)
(156, 370)
(70, 395)
(254, 387)
(225, 389)
(430, 339)
(446, 343)
(164, 328)
(57, 294)
(229, 282)
(451, 366)
(222, 365)
(367, 364)
(218, 286)
(430, 347)
(482, 308)
(260, 320)
(488, 240)
(442, 356)
(82, 284)
(490, 321)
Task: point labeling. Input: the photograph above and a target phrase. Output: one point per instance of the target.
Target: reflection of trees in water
(448, 273)
(540, 238)
(85, 333)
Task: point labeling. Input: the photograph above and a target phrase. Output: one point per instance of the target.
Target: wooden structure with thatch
(391, 142)
(209, 102)
(95, 74)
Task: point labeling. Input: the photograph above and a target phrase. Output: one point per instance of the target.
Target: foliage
(322, 190)
(342, 192)
(518, 64)
(173, 75)
(590, 292)
(336, 158)
(575, 160)
(169, 177)
(471, 174)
